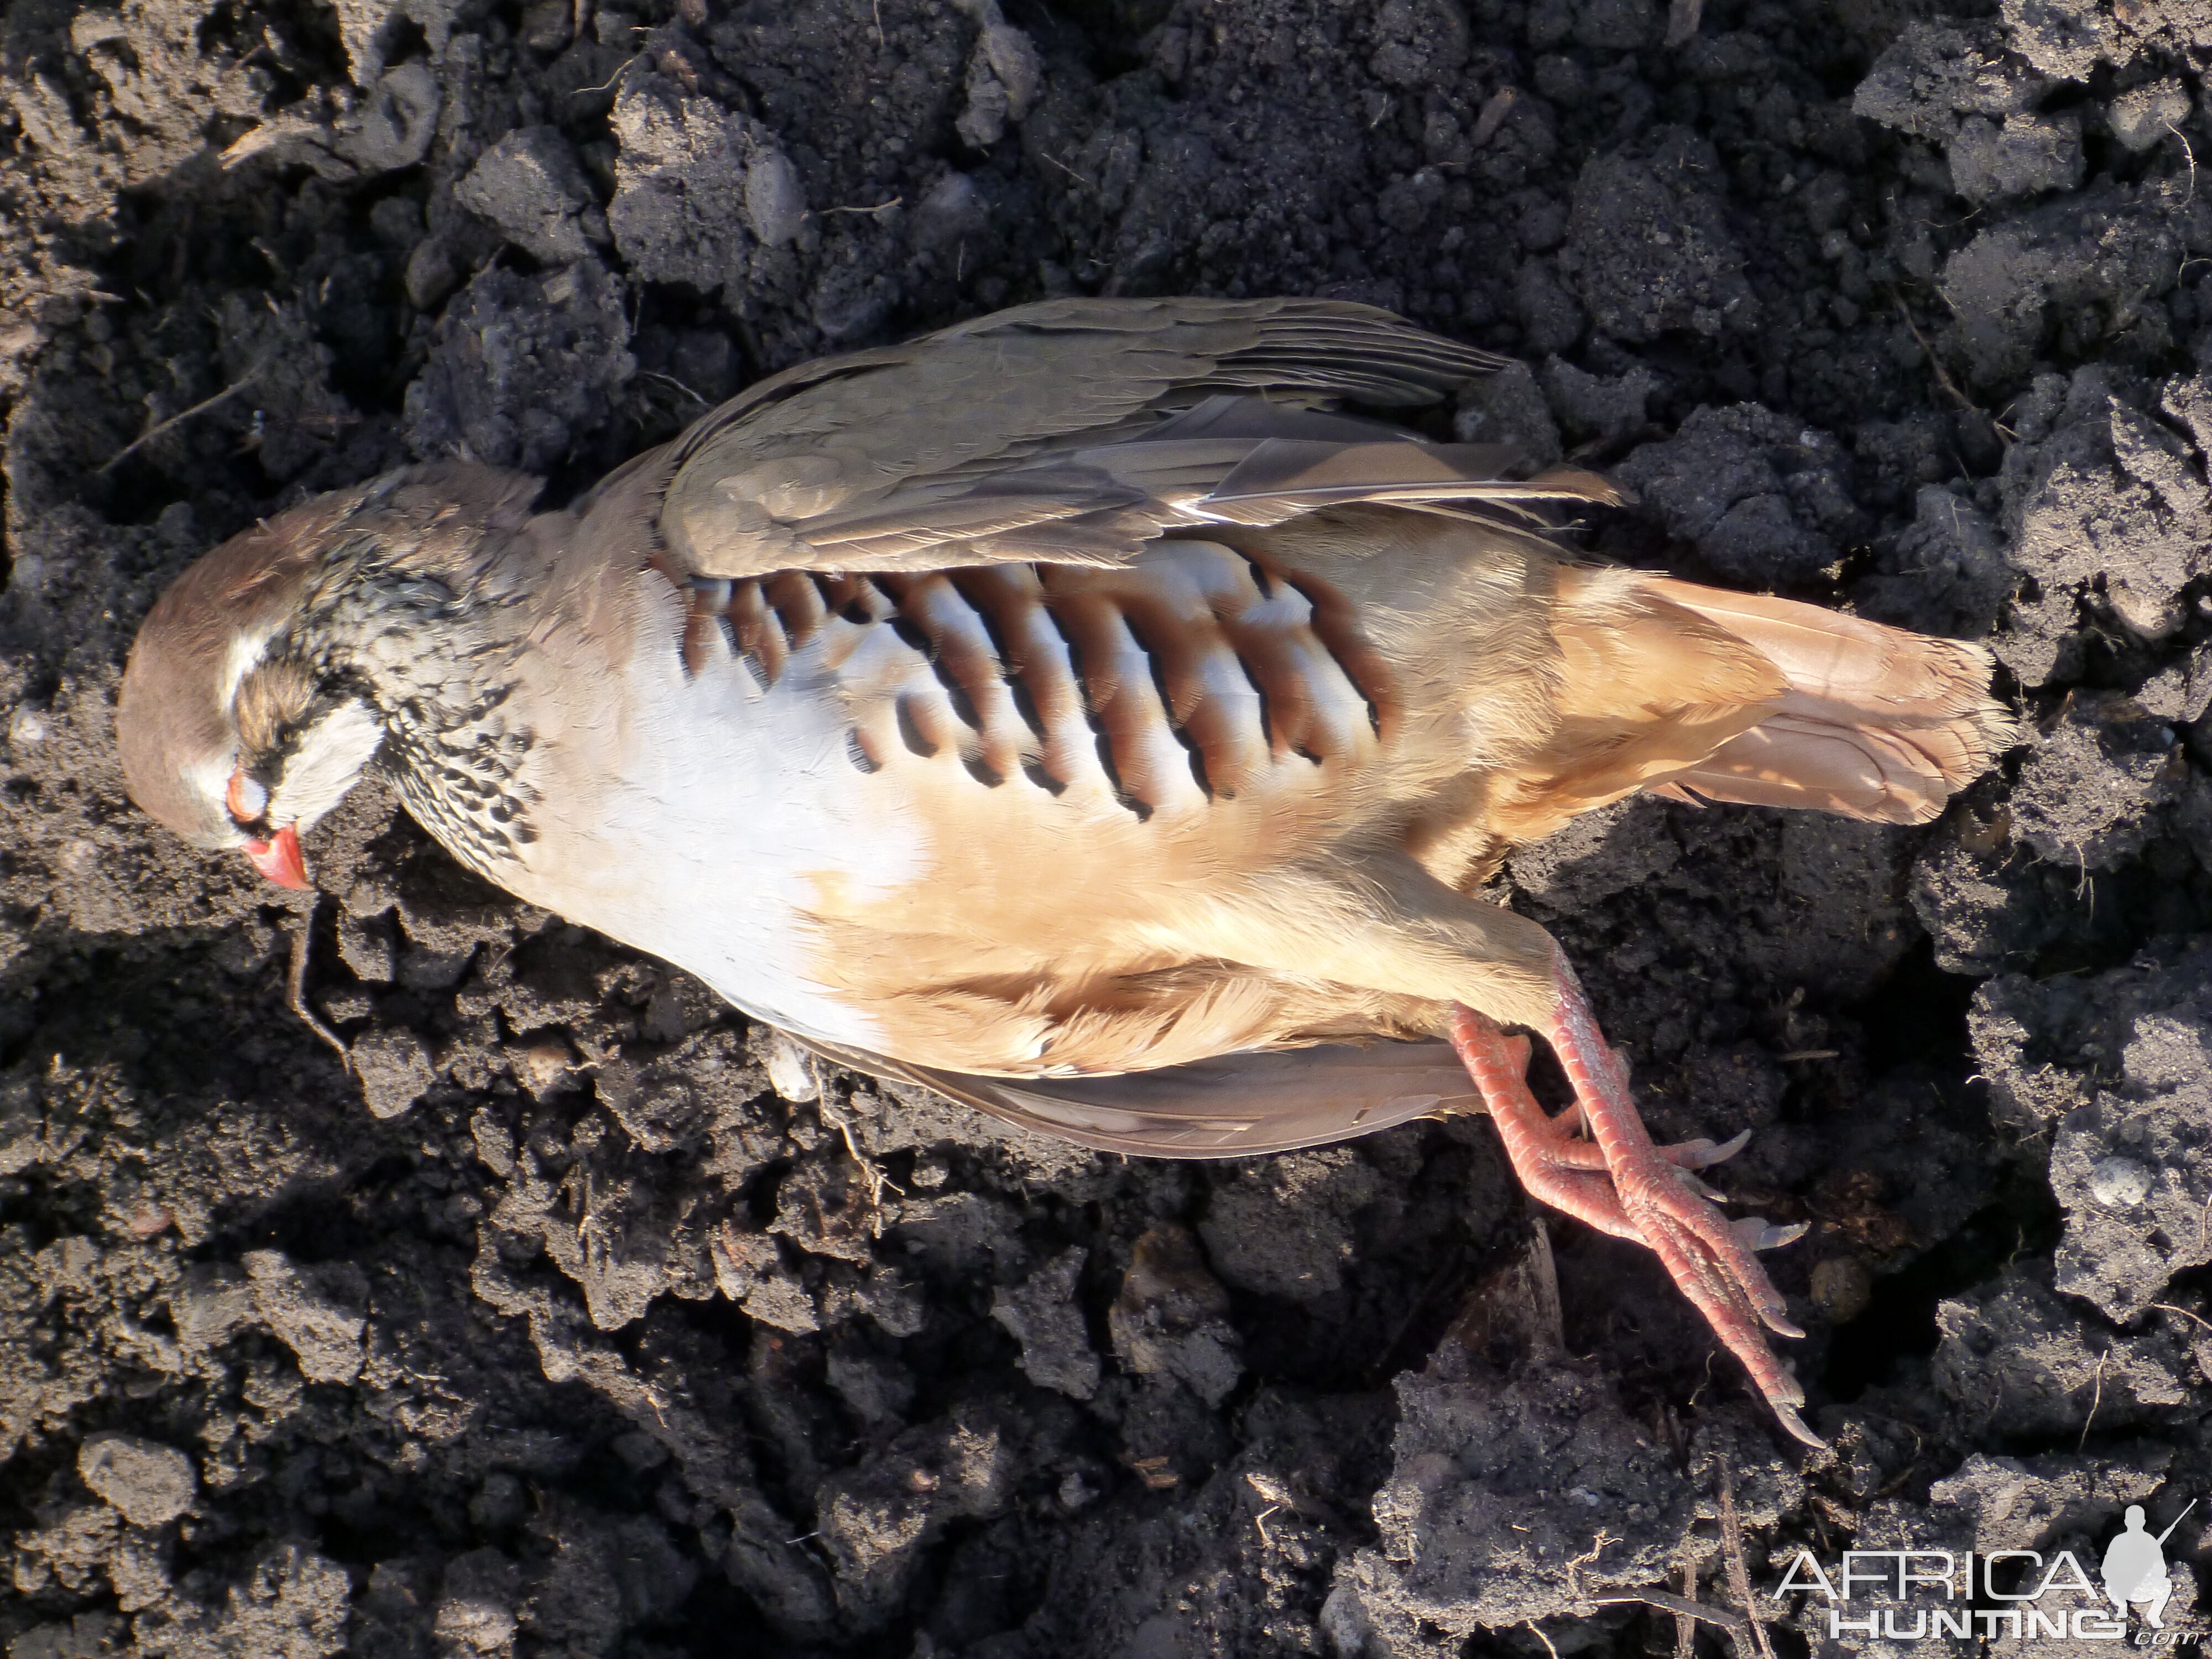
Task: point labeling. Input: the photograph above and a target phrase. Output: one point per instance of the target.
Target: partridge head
(1076, 711)
(253, 707)
(249, 755)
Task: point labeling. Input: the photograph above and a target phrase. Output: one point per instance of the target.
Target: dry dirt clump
(585, 1319)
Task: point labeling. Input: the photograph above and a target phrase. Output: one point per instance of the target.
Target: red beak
(278, 857)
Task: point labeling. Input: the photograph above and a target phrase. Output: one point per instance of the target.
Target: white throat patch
(327, 759)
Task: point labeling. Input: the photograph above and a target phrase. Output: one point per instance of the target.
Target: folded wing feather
(1234, 1106)
(976, 444)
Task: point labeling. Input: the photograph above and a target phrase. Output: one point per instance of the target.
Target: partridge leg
(1621, 1183)
(1397, 929)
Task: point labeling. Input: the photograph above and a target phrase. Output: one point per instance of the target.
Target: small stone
(477, 1612)
(366, 946)
(529, 184)
(2119, 1183)
(323, 1337)
(1171, 1317)
(394, 1068)
(2141, 117)
(395, 124)
(1045, 1317)
(546, 26)
(212, 1300)
(150, 1483)
(26, 729)
(346, 1005)
(543, 1067)
(1842, 1289)
(396, 221)
(430, 275)
(775, 201)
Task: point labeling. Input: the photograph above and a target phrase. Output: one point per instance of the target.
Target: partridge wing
(1233, 1106)
(1072, 432)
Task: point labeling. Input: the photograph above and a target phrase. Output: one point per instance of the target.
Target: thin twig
(1739, 1576)
(2167, 1307)
(2096, 1400)
(302, 933)
(582, 91)
(1544, 1287)
(2187, 150)
(1942, 375)
(655, 374)
(1066, 169)
(1260, 1525)
(1681, 1606)
(200, 408)
(871, 1173)
(1686, 1628)
(1449, 1266)
(880, 207)
(1588, 1558)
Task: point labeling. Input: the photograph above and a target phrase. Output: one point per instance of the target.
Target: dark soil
(585, 1320)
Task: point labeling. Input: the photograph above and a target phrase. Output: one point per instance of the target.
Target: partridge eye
(246, 799)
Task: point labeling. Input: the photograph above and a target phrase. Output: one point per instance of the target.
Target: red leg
(1619, 1182)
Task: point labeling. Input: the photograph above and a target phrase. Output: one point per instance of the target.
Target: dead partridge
(1071, 711)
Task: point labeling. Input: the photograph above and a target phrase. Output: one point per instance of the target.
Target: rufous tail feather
(1877, 723)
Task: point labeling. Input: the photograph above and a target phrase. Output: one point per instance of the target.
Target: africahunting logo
(1911, 1595)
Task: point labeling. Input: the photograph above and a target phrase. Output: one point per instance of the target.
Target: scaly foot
(1618, 1182)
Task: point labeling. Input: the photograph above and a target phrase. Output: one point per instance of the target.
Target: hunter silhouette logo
(2022, 1596)
(2135, 1567)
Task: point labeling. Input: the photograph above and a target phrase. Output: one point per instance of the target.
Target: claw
(1758, 1233)
(1787, 1415)
(1702, 1154)
(1618, 1181)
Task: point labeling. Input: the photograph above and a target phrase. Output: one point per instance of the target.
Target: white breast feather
(728, 799)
